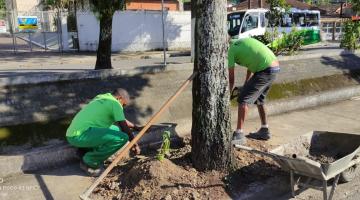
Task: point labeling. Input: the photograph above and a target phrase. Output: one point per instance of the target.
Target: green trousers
(102, 142)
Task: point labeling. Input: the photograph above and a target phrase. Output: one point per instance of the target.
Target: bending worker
(262, 67)
(102, 128)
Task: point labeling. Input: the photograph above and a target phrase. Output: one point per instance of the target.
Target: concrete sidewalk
(45, 63)
(67, 181)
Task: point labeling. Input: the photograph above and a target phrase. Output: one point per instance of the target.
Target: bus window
(312, 19)
(263, 20)
(234, 22)
(299, 19)
(250, 22)
(286, 20)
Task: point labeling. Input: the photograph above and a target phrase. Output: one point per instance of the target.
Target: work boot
(90, 171)
(238, 138)
(261, 134)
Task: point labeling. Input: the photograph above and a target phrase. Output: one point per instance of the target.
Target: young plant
(165, 146)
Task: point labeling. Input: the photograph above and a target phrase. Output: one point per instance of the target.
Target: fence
(36, 31)
(332, 29)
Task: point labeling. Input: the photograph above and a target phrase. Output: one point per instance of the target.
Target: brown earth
(144, 177)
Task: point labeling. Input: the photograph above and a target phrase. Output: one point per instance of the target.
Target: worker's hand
(234, 93)
(138, 128)
(136, 149)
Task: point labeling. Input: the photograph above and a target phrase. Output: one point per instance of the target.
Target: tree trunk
(211, 128)
(103, 59)
(181, 5)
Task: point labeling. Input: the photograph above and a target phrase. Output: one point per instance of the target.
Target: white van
(247, 23)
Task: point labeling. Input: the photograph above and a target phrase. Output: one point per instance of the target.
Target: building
(172, 5)
(23, 5)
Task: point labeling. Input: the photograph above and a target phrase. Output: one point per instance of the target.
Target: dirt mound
(174, 178)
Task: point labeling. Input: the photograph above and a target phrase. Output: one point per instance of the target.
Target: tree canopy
(2, 5)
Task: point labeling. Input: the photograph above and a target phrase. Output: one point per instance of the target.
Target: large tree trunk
(103, 59)
(210, 133)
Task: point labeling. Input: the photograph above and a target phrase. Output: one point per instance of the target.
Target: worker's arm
(133, 126)
(123, 125)
(231, 79)
(248, 76)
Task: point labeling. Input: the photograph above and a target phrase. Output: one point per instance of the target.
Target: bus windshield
(234, 22)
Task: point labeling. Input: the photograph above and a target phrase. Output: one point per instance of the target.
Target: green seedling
(165, 146)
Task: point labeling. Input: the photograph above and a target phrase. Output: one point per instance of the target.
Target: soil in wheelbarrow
(144, 177)
(323, 155)
(321, 158)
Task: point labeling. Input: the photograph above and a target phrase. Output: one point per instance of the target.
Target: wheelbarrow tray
(345, 146)
(293, 157)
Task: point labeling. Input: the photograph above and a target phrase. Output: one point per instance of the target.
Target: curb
(52, 156)
(317, 55)
(299, 103)
(103, 74)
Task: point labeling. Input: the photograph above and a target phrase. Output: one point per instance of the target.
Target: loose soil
(323, 159)
(144, 177)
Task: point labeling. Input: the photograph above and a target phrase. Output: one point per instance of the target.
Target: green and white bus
(254, 22)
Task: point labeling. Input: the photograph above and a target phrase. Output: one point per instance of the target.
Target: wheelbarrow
(343, 148)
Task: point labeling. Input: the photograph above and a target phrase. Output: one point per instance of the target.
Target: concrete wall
(137, 30)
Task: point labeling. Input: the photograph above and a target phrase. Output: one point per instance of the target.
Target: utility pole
(163, 30)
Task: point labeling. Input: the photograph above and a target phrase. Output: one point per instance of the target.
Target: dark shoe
(90, 171)
(238, 138)
(261, 134)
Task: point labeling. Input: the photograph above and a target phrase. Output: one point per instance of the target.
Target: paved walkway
(67, 182)
(67, 62)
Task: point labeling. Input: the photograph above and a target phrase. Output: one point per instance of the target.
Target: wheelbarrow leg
(325, 190)
(292, 183)
(336, 179)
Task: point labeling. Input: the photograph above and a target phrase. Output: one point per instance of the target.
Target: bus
(254, 22)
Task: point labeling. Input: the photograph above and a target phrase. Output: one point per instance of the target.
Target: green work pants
(102, 142)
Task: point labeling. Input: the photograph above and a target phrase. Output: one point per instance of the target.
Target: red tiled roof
(256, 4)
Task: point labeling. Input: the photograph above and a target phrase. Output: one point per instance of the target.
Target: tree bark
(103, 59)
(211, 128)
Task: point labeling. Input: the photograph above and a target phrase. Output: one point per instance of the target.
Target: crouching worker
(102, 128)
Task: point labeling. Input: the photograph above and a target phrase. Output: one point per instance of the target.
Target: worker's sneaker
(261, 134)
(90, 171)
(238, 138)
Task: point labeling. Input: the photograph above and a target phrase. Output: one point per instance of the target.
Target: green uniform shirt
(101, 112)
(251, 54)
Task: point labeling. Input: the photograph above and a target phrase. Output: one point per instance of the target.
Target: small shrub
(351, 36)
(285, 43)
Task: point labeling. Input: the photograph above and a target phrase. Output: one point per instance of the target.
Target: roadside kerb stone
(103, 74)
(51, 156)
(318, 55)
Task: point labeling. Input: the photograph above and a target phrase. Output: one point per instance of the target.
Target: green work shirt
(101, 112)
(250, 53)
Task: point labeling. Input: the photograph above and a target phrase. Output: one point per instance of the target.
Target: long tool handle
(246, 148)
(87, 193)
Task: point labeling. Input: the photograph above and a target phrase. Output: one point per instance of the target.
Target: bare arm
(123, 125)
(231, 79)
(133, 126)
(248, 75)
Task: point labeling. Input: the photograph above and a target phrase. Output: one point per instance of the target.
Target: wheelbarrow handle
(246, 148)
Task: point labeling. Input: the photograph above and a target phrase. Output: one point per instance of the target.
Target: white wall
(138, 30)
